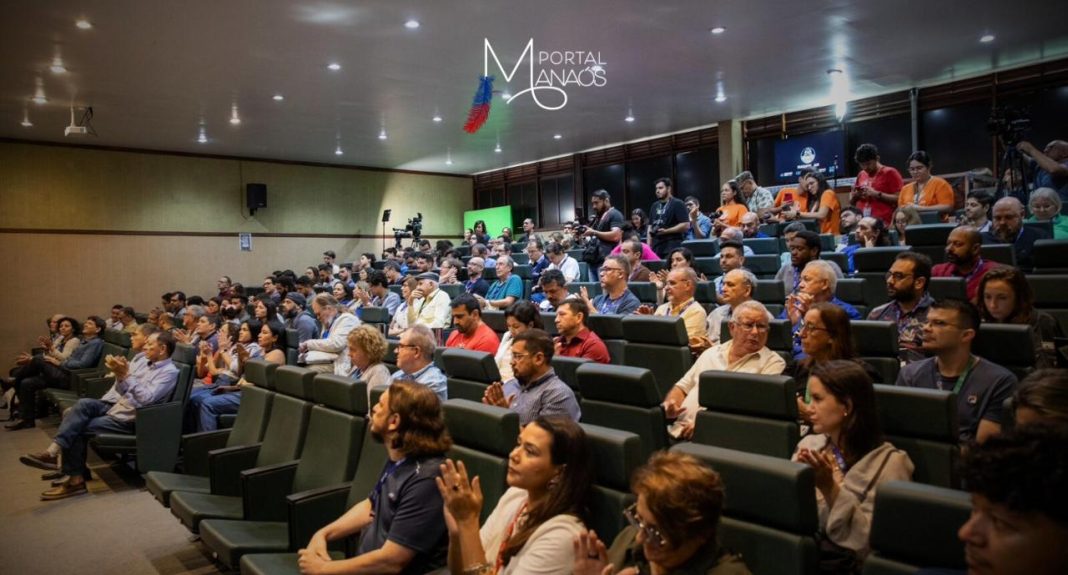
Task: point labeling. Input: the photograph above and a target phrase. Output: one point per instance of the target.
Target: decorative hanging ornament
(480, 107)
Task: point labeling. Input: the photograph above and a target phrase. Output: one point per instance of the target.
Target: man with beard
(535, 391)
(1008, 228)
(849, 218)
(906, 284)
(670, 220)
(400, 524)
(299, 318)
(964, 260)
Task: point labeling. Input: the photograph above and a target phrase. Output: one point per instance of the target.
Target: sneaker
(64, 491)
(42, 460)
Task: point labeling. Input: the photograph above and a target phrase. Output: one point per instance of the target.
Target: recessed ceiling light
(448, 161)
(202, 139)
(83, 24)
(40, 99)
(557, 136)
(57, 66)
(718, 30)
(506, 95)
(382, 134)
(278, 97)
(234, 118)
(986, 38)
(333, 66)
(720, 98)
(338, 151)
(498, 148)
(437, 118)
(235, 121)
(630, 117)
(26, 123)
(411, 24)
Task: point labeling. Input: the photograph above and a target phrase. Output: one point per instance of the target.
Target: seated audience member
(519, 317)
(305, 287)
(424, 263)
(400, 525)
(826, 336)
(680, 289)
(904, 217)
(328, 258)
(1019, 519)
(1006, 297)
(632, 250)
(750, 225)
(61, 343)
(877, 186)
(534, 390)
(190, 317)
(732, 234)
(926, 193)
(616, 297)
(427, 304)
(128, 321)
(207, 331)
(507, 289)
(415, 360)
(367, 261)
(367, 348)
(299, 318)
(176, 304)
(789, 232)
(678, 259)
(1008, 228)
(804, 247)
(212, 365)
(270, 289)
(746, 352)
(212, 307)
(449, 271)
(393, 272)
(673, 526)
(114, 321)
(700, 224)
(1042, 399)
(550, 479)
(563, 262)
(849, 219)
(344, 295)
(575, 339)
(378, 293)
(146, 382)
(399, 322)
(639, 222)
(731, 257)
(870, 233)
(738, 286)
(344, 275)
(469, 331)
(326, 353)
(757, 199)
(823, 204)
(479, 250)
(552, 287)
(166, 322)
(642, 251)
(475, 285)
(44, 371)
(906, 284)
(964, 260)
(981, 386)
(529, 232)
(1045, 206)
(818, 284)
(848, 454)
(977, 206)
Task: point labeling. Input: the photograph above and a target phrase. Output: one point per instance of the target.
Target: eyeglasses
(760, 327)
(897, 276)
(651, 532)
(406, 345)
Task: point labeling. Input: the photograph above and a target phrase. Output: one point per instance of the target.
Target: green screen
(495, 218)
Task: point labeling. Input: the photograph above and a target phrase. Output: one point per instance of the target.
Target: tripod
(1013, 183)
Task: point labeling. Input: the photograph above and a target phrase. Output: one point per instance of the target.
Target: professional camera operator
(605, 233)
(669, 220)
(1050, 165)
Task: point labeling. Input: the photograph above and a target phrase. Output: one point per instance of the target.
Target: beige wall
(58, 188)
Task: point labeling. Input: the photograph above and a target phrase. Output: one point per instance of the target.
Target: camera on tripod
(1009, 124)
(413, 230)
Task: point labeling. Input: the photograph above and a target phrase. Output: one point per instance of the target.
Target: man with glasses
(746, 352)
(535, 391)
(981, 386)
(271, 290)
(538, 261)
(738, 286)
(906, 284)
(507, 289)
(818, 284)
(1008, 228)
(563, 262)
(680, 289)
(475, 284)
(415, 360)
(616, 297)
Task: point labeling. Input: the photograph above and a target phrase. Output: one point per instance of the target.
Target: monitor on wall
(495, 218)
(824, 151)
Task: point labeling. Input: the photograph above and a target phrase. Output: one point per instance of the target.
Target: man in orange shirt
(469, 332)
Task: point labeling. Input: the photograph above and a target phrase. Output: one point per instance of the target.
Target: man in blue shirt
(415, 360)
(538, 261)
(1050, 165)
(535, 391)
(700, 224)
(616, 297)
(378, 293)
(818, 283)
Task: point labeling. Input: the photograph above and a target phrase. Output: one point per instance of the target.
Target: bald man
(964, 260)
(1008, 228)
(1050, 165)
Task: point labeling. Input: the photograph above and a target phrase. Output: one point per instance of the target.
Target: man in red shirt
(877, 186)
(963, 260)
(575, 339)
(468, 330)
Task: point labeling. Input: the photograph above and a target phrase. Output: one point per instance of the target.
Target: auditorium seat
(1003, 254)
(292, 346)
(748, 412)
(876, 343)
(949, 287)
(853, 291)
(566, 369)
(929, 239)
(838, 259)
(331, 451)
(769, 513)
(915, 526)
(1050, 256)
(1008, 345)
(828, 242)
(872, 264)
(548, 321)
(644, 291)
(609, 328)
(593, 289)
(483, 438)
(390, 360)
(495, 319)
(91, 381)
(451, 290)
(1045, 228)
(520, 257)
(377, 317)
(616, 454)
(1051, 296)
(282, 442)
(702, 248)
(624, 398)
(659, 344)
(762, 245)
(923, 423)
(470, 372)
(158, 435)
(252, 417)
(770, 291)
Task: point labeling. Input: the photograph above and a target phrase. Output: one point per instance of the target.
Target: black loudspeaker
(255, 197)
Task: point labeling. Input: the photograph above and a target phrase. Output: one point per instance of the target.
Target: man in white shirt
(563, 262)
(327, 353)
(428, 305)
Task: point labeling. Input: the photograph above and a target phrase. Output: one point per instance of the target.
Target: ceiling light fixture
(557, 136)
(986, 38)
(278, 97)
(39, 94)
(26, 123)
(839, 92)
(57, 66)
(338, 151)
(412, 24)
(630, 117)
(718, 30)
(234, 118)
(83, 24)
(721, 95)
(333, 66)
(448, 156)
(498, 148)
(437, 118)
(382, 135)
(202, 137)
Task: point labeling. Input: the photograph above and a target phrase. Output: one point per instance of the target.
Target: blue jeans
(88, 417)
(205, 407)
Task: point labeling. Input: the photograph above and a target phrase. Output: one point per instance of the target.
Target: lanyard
(960, 380)
(838, 457)
(508, 535)
(390, 469)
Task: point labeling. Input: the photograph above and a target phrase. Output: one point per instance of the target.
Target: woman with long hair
(479, 233)
(1006, 297)
(519, 317)
(1042, 399)
(926, 193)
(822, 202)
(848, 456)
(826, 336)
(730, 205)
(640, 222)
(550, 474)
(399, 323)
(904, 217)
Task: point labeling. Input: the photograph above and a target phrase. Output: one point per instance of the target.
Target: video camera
(1008, 124)
(413, 230)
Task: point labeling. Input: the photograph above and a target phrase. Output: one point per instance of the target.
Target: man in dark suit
(1008, 228)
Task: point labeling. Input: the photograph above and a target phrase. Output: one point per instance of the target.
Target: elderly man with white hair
(818, 283)
(507, 289)
(326, 353)
(746, 352)
(738, 286)
(1045, 206)
(427, 304)
(680, 289)
(1008, 228)
(415, 360)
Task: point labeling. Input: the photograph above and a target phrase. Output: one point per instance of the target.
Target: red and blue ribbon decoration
(480, 107)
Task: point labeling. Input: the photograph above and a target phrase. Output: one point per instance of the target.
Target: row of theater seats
(299, 455)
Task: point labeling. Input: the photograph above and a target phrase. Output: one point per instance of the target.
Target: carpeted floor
(117, 528)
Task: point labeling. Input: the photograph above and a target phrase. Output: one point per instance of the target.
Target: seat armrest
(195, 448)
(96, 387)
(264, 491)
(159, 435)
(225, 467)
(310, 511)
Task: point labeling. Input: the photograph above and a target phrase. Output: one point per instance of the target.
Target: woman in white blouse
(519, 317)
